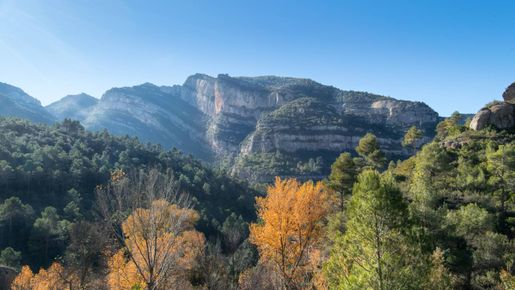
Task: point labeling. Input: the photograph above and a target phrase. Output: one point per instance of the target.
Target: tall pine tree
(375, 252)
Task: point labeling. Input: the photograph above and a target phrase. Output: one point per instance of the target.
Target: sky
(452, 55)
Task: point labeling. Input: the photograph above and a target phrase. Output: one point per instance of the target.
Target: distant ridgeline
(48, 176)
(254, 127)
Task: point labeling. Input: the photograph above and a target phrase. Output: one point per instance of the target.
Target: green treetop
(412, 136)
(343, 175)
(369, 149)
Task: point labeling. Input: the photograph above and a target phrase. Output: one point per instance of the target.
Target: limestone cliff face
(252, 124)
(250, 119)
(243, 111)
(383, 110)
(307, 124)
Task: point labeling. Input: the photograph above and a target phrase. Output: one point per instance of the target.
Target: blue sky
(453, 55)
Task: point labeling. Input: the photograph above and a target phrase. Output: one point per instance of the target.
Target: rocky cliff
(509, 94)
(266, 126)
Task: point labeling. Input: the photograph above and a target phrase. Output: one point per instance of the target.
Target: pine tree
(501, 165)
(412, 136)
(375, 252)
(343, 175)
(369, 149)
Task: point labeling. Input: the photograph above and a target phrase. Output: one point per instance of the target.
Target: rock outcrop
(500, 115)
(509, 94)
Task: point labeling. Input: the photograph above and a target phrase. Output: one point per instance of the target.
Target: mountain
(14, 102)
(267, 126)
(74, 107)
(254, 127)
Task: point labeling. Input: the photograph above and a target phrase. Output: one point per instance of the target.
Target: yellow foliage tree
(24, 280)
(292, 218)
(54, 278)
(161, 245)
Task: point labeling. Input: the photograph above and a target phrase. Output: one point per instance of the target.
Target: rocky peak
(81, 99)
(75, 107)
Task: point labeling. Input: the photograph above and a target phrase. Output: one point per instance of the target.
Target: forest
(89, 210)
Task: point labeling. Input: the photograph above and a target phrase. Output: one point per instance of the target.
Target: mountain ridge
(225, 120)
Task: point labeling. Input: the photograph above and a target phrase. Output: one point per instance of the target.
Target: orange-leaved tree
(292, 217)
(155, 227)
(161, 247)
(53, 278)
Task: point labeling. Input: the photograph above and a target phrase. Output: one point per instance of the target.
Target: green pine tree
(343, 175)
(369, 149)
(412, 136)
(375, 252)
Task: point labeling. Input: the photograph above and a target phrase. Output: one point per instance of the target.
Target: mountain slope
(14, 102)
(61, 166)
(154, 114)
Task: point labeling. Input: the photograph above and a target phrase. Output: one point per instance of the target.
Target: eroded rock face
(393, 112)
(241, 110)
(509, 94)
(501, 116)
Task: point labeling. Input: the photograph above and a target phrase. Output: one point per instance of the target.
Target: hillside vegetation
(92, 211)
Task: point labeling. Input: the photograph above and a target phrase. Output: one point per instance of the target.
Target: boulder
(480, 120)
(501, 116)
(509, 94)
